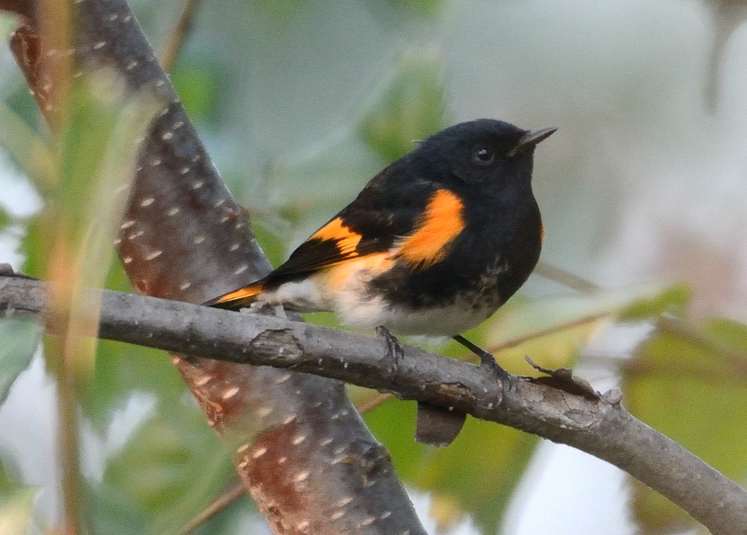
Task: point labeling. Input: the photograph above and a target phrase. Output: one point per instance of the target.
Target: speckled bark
(184, 238)
(600, 426)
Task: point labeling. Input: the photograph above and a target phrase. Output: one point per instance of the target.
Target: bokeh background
(643, 192)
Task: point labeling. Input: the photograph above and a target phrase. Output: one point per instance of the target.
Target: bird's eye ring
(483, 155)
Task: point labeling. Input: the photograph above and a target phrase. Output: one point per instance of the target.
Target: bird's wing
(413, 220)
(373, 223)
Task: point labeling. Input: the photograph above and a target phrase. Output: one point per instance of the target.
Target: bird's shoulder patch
(438, 226)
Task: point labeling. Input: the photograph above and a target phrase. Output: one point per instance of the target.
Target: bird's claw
(394, 350)
(488, 363)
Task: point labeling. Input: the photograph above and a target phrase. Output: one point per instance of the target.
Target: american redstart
(432, 245)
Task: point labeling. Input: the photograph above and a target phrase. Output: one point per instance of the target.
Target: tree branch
(600, 427)
(179, 34)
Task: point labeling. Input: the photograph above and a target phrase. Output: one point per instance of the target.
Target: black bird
(432, 245)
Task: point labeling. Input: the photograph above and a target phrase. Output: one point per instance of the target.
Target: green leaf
(672, 300)
(426, 8)
(122, 370)
(27, 148)
(18, 339)
(476, 474)
(398, 13)
(16, 503)
(16, 511)
(33, 248)
(170, 468)
(693, 388)
(198, 90)
(552, 331)
(410, 109)
(5, 219)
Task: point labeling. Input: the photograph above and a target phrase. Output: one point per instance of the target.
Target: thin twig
(602, 427)
(67, 413)
(674, 370)
(371, 404)
(218, 505)
(668, 324)
(566, 278)
(179, 35)
(682, 330)
(513, 342)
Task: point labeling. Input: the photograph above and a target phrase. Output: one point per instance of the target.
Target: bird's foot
(394, 350)
(487, 360)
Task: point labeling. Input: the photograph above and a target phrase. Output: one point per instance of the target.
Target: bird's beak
(530, 139)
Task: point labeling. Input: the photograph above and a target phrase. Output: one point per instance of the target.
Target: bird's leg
(393, 350)
(436, 426)
(487, 361)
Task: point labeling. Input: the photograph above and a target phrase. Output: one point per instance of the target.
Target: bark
(184, 237)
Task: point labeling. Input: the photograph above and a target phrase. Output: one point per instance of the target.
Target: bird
(432, 245)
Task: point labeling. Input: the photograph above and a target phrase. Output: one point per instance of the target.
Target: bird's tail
(239, 298)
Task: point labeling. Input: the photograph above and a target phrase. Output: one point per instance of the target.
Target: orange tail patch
(238, 298)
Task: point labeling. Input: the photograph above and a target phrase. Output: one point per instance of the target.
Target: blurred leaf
(197, 88)
(16, 511)
(427, 8)
(553, 330)
(273, 247)
(16, 504)
(477, 474)
(696, 395)
(21, 101)
(672, 300)
(171, 467)
(278, 9)
(19, 339)
(410, 109)
(5, 219)
(33, 247)
(112, 511)
(121, 370)
(398, 13)
(27, 148)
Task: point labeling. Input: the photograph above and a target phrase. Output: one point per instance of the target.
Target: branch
(184, 237)
(600, 427)
(179, 35)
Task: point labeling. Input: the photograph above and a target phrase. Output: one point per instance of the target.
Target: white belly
(442, 321)
(344, 292)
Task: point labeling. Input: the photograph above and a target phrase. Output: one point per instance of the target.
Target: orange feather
(440, 224)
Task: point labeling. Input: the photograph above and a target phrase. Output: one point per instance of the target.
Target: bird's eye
(483, 156)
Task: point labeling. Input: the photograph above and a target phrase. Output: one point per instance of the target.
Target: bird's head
(485, 152)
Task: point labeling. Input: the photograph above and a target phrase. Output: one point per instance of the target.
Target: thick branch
(601, 427)
(184, 237)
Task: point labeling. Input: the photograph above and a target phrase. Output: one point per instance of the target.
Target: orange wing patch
(337, 277)
(345, 239)
(247, 292)
(438, 226)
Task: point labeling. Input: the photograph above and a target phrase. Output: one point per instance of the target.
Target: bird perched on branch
(432, 245)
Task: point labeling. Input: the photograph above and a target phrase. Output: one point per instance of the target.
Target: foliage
(20, 339)
(702, 378)
(16, 503)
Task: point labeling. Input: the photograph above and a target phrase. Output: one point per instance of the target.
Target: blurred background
(643, 192)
